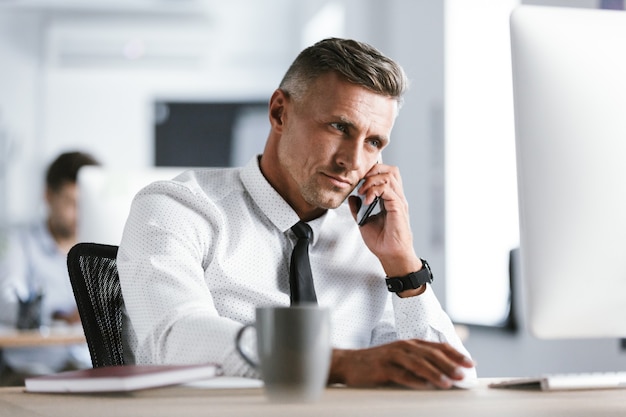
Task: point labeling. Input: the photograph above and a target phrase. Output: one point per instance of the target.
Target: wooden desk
(344, 402)
(50, 336)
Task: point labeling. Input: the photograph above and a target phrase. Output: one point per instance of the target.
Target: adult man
(33, 261)
(199, 253)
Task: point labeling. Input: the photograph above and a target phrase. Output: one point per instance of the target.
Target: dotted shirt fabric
(201, 252)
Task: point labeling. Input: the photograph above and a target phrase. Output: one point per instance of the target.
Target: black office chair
(95, 281)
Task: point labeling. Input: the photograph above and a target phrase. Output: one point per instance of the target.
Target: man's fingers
(401, 376)
(414, 364)
(456, 356)
(431, 362)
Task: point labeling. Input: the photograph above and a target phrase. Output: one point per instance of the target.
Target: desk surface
(68, 335)
(345, 402)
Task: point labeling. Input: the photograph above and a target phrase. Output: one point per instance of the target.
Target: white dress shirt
(199, 253)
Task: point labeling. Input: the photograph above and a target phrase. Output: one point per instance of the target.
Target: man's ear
(277, 109)
(47, 195)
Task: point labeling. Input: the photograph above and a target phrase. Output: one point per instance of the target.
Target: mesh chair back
(95, 281)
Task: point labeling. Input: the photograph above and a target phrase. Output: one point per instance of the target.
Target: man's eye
(377, 143)
(340, 127)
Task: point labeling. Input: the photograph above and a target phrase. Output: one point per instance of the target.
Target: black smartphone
(366, 210)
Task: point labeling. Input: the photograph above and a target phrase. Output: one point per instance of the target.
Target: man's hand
(413, 363)
(388, 234)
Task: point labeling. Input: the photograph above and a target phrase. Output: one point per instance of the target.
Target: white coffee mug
(294, 351)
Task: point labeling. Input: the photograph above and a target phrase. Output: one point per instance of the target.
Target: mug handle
(238, 346)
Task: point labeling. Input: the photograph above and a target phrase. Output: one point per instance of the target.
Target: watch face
(427, 267)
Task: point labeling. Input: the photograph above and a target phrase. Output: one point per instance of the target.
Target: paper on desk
(226, 382)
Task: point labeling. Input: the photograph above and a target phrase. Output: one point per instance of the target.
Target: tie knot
(302, 230)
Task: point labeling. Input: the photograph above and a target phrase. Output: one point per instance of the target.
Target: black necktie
(300, 277)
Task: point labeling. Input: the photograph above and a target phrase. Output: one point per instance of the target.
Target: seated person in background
(32, 262)
(200, 252)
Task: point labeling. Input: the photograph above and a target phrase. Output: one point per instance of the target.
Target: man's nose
(350, 155)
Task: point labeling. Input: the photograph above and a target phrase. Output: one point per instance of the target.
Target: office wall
(20, 115)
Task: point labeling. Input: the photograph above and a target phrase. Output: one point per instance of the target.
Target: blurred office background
(141, 83)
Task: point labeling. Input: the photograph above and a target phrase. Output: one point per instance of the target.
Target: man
(33, 262)
(201, 252)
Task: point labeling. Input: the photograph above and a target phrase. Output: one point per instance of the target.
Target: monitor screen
(569, 83)
(105, 196)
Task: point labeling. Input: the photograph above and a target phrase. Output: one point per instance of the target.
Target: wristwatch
(411, 281)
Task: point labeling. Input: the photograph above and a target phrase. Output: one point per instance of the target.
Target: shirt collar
(272, 204)
(266, 197)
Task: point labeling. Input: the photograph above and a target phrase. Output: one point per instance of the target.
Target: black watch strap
(411, 281)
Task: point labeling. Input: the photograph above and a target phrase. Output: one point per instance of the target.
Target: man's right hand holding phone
(411, 363)
(388, 233)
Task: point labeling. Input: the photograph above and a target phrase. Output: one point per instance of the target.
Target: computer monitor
(569, 83)
(104, 199)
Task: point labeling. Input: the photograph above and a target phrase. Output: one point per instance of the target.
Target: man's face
(332, 137)
(62, 209)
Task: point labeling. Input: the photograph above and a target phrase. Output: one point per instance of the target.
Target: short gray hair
(357, 62)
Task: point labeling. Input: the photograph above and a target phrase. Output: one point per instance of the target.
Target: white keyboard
(574, 381)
